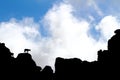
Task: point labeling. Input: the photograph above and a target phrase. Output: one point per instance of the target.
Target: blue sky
(24, 8)
(38, 8)
(58, 28)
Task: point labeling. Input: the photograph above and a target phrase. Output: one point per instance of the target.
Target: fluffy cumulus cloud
(68, 36)
(19, 34)
(71, 36)
(107, 26)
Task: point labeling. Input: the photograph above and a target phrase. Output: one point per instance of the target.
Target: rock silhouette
(23, 67)
(47, 73)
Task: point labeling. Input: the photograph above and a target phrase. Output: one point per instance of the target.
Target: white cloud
(107, 26)
(19, 34)
(86, 5)
(69, 36)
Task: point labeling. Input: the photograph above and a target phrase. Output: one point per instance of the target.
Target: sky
(58, 28)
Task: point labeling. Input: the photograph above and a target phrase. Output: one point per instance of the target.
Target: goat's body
(27, 50)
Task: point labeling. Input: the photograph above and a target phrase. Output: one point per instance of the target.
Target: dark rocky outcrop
(23, 67)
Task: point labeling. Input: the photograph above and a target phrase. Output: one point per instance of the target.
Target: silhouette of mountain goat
(27, 50)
